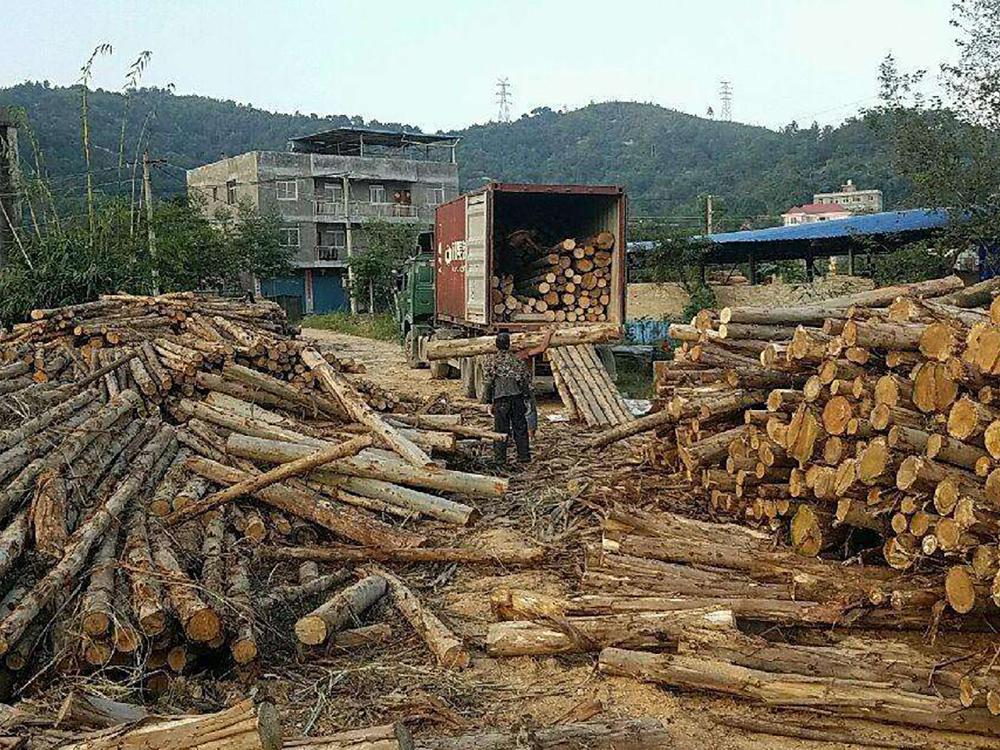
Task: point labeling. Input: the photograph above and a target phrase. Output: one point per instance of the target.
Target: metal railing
(338, 209)
(329, 252)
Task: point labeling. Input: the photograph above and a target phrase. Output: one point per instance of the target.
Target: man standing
(508, 390)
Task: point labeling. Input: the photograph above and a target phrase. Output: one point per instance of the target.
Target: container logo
(455, 252)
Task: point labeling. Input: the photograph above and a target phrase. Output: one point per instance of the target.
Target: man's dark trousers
(509, 418)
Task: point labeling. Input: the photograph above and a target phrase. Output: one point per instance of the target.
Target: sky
(435, 64)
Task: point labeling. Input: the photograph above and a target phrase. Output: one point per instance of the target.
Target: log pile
(863, 428)
(151, 447)
(713, 607)
(568, 282)
(586, 387)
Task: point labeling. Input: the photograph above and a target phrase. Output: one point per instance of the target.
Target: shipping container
(470, 245)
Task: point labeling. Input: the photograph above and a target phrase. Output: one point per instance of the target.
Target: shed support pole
(850, 260)
(753, 267)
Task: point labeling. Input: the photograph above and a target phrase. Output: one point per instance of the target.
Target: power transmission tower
(504, 99)
(726, 96)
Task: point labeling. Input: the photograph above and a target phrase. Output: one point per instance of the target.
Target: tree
(948, 147)
(373, 269)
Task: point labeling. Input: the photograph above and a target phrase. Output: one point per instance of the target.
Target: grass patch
(382, 326)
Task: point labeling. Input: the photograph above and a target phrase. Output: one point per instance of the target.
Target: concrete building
(10, 207)
(324, 189)
(854, 200)
(813, 212)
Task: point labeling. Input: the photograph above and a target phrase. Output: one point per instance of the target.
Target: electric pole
(147, 192)
(726, 96)
(503, 99)
(708, 214)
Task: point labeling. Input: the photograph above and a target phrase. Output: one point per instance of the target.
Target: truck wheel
(479, 378)
(440, 370)
(607, 358)
(412, 355)
(468, 371)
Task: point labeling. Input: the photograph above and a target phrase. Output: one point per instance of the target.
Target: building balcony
(330, 252)
(361, 210)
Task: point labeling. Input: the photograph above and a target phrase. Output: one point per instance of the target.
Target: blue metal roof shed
(889, 229)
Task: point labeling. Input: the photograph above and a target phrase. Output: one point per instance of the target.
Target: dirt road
(550, 504)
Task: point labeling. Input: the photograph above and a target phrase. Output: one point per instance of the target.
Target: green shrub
(381, 327)
(702, 298)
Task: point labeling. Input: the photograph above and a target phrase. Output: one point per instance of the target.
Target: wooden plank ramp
(586, 388)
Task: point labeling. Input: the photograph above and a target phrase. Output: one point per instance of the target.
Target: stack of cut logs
(861, 428)
(569, 282)
(151, 447)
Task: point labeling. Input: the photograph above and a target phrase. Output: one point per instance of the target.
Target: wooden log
(342, 553)
(200, 622)
(96, 607)
(243, 644)
(446, 647)
(343, 521)
(626, 734)
(451, 348)
(371, 466)
(640, 630)
(352, 402)
(254, 484)
(341, 610)
(81, 543)
(290, 593)
(854, 698)
(242, 727)
(385, 737)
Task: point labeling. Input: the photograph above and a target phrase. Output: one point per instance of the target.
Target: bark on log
(853, 698)
(342, 609)
(242, 727)
(371, 467)
(81, 544)
(449, 650)
(343, 553)
(452, 348)
(627, 734)
(639, 630)
(346, 522)
(255, 484)
(355, 405)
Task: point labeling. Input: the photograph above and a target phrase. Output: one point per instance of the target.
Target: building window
(287, 190)
(333, 192)
(333, 238)
(289, 236)
(231, 192)
(437, 195)
(376, 193)
(215, 193)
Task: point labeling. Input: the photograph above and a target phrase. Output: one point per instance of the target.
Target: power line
(504, 99)
(726, 96)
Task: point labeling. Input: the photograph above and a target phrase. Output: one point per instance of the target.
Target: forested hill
(665, 158)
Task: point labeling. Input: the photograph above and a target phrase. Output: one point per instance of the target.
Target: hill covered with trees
(667, 159)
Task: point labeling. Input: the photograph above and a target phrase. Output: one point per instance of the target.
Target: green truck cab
(414, 301)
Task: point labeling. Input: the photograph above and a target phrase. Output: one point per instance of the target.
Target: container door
(475, 259)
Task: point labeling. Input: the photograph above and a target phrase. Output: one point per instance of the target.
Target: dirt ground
(552, 504)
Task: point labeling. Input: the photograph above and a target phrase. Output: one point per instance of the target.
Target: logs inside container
(568, 282)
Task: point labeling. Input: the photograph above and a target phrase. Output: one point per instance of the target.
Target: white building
(854, 200)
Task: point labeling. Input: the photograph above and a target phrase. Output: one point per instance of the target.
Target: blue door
(293, 286)
(328, 290)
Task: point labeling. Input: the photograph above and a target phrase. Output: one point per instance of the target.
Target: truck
(444, 289)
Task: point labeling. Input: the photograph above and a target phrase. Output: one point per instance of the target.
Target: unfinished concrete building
(324, 189)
